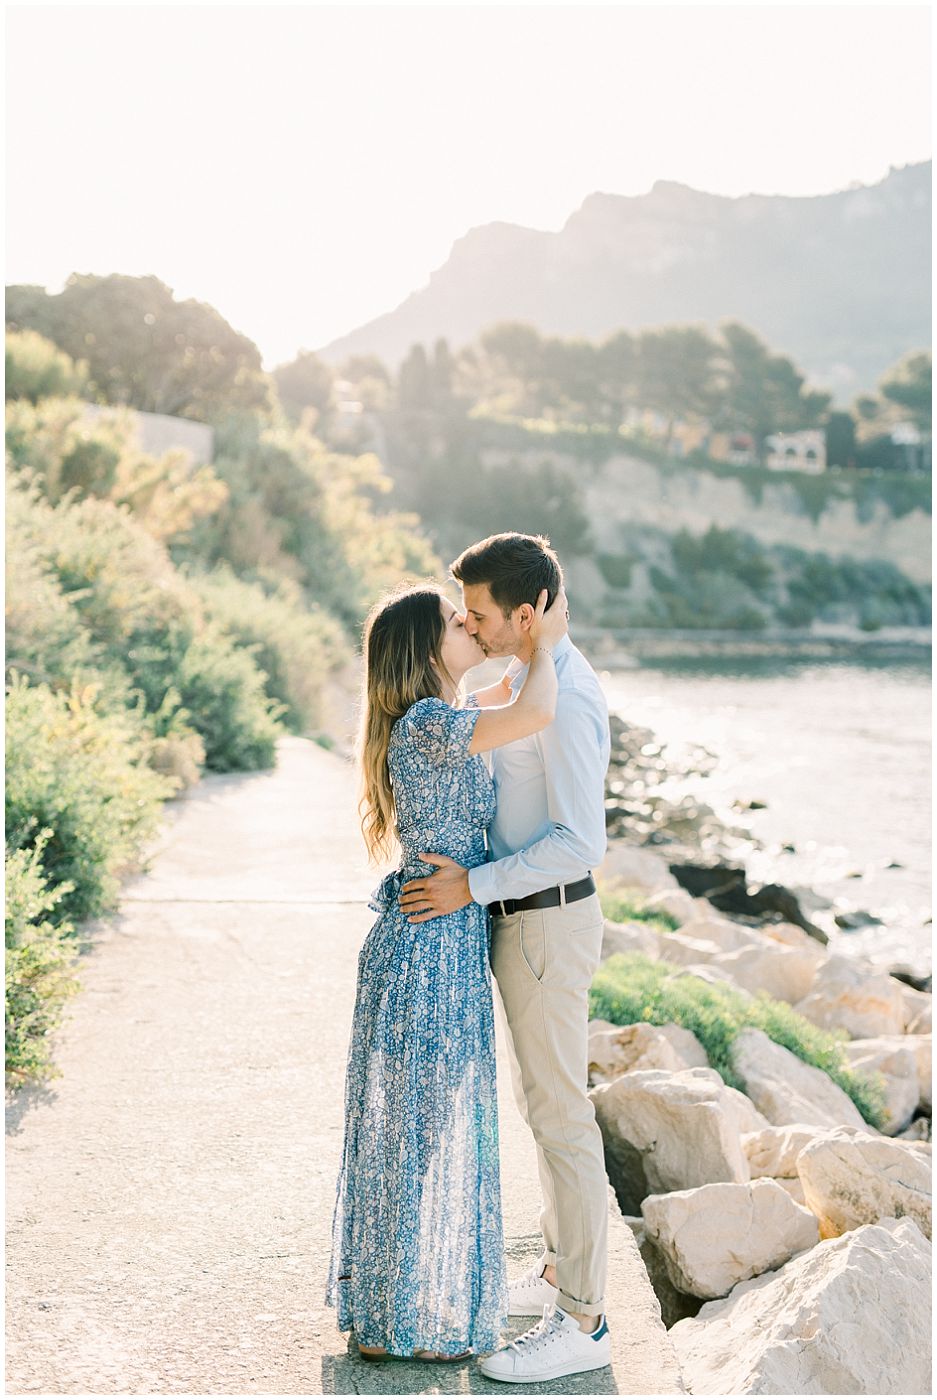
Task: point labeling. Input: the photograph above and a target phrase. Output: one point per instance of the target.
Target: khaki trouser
(544, 961)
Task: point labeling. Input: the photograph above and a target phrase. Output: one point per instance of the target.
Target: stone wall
(159, 433)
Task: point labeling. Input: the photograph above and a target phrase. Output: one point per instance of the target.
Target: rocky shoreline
(786, 1237)
(704, 852)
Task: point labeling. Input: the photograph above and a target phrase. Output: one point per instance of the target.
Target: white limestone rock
(679, 904)
(774, 1151)
(784, 973)
(917, 1006)
(922, 1047)
(682, 950)
(725, 934)
(794, 1188)
(633, 937)
(668, 1131)
(714, 1236)
(709, 973)
(793, 936)
(919, 1131)
(853, 1179)
(747, 1117)
(635, 868)
(785, 1089)
(848, 1317)
(851, 994)
(615, 1050)
(892, 1056)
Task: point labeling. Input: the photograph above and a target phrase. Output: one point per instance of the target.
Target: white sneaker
(530, 1294)
(556, 1346)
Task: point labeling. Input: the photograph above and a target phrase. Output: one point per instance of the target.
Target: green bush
(56, 445)
(37, 369)
(624, 906)
(295, 645)
(40, 956)
(140, 627)
(630, 987)
(222, 689)
(616, 569)
(83, 776)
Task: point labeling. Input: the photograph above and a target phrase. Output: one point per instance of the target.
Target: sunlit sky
(303, 168)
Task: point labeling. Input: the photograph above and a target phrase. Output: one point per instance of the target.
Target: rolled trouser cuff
(577, 1305)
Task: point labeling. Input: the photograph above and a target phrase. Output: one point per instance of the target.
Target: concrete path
(169, 1198)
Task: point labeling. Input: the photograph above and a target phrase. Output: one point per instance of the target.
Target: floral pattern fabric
(417, 1246)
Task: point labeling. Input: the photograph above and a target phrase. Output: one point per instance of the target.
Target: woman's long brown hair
(403, 637)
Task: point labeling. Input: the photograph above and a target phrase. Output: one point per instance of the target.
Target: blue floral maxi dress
(417, 1246)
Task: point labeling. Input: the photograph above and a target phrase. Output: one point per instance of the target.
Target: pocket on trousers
(532, 943)
(583, 916)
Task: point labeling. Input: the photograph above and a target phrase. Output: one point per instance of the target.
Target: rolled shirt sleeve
(574, 751)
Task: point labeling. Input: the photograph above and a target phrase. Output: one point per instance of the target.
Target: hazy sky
(303, 168)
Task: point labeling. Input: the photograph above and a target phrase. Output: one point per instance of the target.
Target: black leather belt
(545, 899)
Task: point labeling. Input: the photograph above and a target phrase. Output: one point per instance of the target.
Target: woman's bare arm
(498, 694)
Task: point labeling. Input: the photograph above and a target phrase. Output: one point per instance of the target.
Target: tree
(908, 384)
(415, 381)
(677, 373)
(761, 391)
(840, 440)
(569, 379)
(305, 382)
(513, 364)
(616, 370)
(144, 348)
(441, 374)
(358, 368)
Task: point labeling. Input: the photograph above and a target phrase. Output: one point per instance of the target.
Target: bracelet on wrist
(548, 650)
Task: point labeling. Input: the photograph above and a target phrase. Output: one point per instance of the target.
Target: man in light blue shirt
(549, 827)
(547, 926)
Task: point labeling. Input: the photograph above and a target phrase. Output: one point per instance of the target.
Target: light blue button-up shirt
(549, 828)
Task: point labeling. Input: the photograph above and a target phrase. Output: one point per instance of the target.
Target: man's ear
(525, 616)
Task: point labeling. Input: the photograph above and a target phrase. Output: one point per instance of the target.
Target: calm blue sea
(839, 751)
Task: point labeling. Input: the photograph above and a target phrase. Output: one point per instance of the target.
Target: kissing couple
(494, 877)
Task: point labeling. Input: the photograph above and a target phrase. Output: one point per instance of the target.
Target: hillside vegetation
(163, 619)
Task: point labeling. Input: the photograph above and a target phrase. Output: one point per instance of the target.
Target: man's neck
(525, 651)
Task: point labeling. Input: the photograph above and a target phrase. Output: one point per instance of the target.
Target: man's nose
(471, 626)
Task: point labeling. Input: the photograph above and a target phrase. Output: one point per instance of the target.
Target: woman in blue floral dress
(417, 1267)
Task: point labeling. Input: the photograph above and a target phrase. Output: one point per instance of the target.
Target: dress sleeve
(440, 733)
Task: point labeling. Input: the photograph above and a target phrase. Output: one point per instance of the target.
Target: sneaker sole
(552, 1374)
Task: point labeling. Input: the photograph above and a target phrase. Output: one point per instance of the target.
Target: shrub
(40, 955)
(624, 906)
(616, 569)
(37, 369)
(295, 645)
(223, 690)
(83, 776)
(630, 987)
(148, 638)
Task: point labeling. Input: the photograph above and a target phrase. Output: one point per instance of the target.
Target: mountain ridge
(839, 281)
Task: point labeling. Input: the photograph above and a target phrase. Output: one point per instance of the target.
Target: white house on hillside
(804, 451)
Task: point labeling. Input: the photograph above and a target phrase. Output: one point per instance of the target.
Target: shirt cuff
(481, 884)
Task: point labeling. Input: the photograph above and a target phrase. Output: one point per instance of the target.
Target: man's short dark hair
(516, 568)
